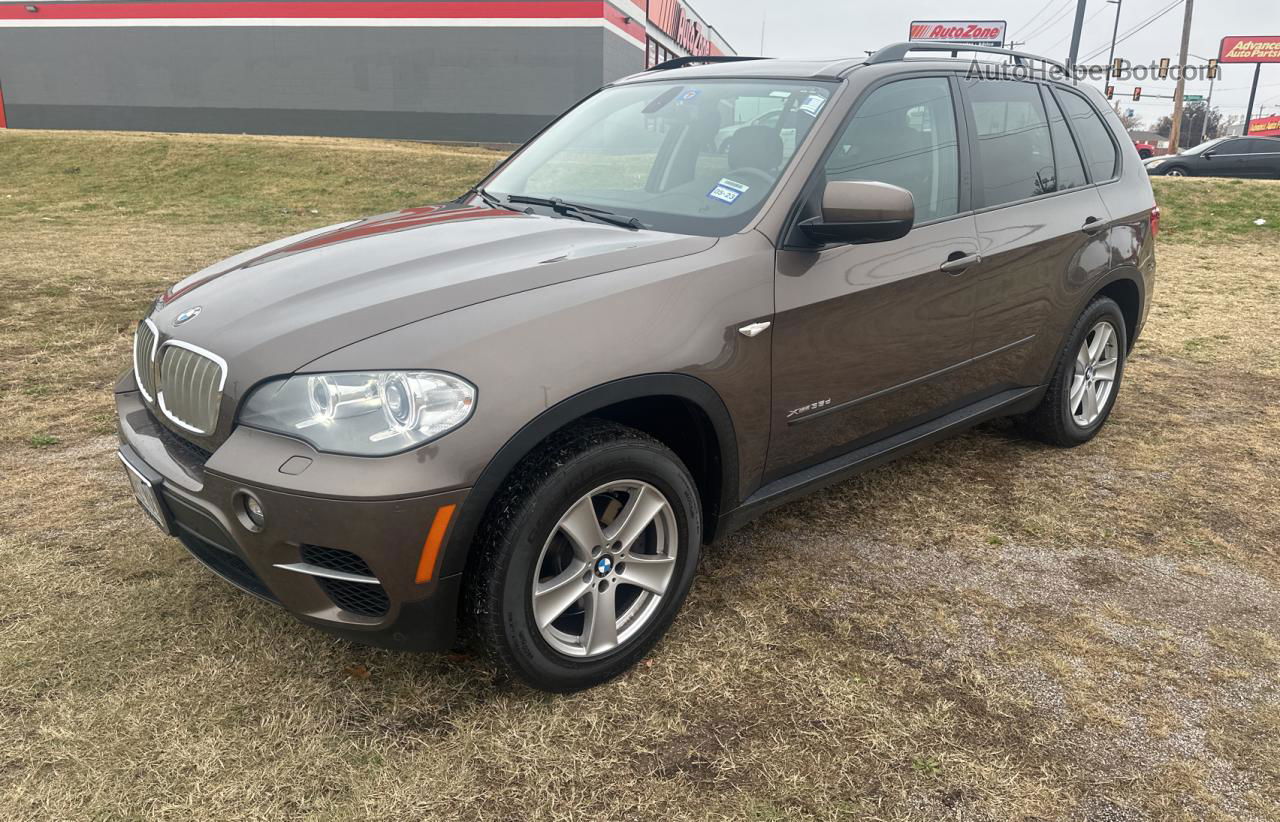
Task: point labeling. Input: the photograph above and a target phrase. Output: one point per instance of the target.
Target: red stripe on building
(293, 8)
(625, 22)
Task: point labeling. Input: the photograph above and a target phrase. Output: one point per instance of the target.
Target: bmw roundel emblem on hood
(189, 314)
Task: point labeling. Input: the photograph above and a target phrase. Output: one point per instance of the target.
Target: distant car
(1145, 150)
(1257, 157)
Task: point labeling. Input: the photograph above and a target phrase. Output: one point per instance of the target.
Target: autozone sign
(976, 32)
(679, 22)
(1250, 50)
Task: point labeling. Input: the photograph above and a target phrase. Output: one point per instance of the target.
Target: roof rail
(695, 60)
(898, 51)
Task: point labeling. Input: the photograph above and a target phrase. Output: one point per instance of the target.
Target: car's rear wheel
(1086, 379)
(587, 556)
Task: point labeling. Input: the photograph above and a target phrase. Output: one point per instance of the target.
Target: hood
(272, 309)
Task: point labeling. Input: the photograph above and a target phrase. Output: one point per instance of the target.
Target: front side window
(1015, 152)
(1095, 140)
(904, 134)
(693, 158)
(1233, 147)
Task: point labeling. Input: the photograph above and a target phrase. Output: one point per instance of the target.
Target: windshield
(1205, 146)
(695, 158)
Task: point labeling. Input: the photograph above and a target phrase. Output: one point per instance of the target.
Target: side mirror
(862, 212)
(1207, 155)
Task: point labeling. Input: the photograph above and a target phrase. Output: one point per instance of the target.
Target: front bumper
(352, 538)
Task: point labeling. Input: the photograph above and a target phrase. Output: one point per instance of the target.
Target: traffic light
(1115, 67)
(1137, 93)
(1111, 90)
(1213, 69)
(1163, 73)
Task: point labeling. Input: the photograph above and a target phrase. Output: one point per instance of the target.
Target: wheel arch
(1124, 285)
(682, 411)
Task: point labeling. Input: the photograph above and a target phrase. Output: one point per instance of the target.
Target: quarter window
(1095, 140)
(904, 134)
(1066, 156)
(1015, 151)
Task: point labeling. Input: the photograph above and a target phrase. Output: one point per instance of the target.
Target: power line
(1068, 34)
(1027, 24)
(1153, 18)
(1053, 20)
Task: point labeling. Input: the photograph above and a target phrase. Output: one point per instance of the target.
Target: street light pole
(1075, 34)
(1175, 131)
(1111, 58)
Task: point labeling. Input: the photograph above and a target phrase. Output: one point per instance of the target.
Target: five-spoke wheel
(605, 567)
(588, 555)
(1095, 374)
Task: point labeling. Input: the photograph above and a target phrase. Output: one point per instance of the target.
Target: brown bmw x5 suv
(517, 417)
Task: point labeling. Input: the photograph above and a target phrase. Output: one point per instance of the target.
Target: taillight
(1155, 221)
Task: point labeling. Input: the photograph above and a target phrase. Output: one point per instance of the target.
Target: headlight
(1154, 163)
(369, 414)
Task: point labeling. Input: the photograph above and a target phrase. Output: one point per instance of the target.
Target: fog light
(253, 510)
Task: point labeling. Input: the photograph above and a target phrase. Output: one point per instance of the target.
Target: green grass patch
(1193, 210)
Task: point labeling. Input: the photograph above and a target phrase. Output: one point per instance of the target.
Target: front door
(872, 338)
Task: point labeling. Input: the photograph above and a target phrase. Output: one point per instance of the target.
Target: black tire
(1053, 420)
(1176, 171)
(524, 517)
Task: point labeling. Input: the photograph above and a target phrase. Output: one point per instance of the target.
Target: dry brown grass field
(991, 629)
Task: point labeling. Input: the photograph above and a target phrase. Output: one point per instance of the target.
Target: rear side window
(1066, 155)
(1095, 140)
(1015, 151)
(904, 134)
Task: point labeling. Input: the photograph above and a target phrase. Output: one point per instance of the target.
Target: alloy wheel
(605, 568)
(1094, 376)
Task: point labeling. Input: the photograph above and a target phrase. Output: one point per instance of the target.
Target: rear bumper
(359, 557)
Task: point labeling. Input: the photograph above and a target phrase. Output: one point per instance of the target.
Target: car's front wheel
(586, 557)
(1176, 171)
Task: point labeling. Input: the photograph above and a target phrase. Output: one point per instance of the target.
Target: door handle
(958, 265)
(1092, 225)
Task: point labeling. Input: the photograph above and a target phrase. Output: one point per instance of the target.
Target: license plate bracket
(146, 490)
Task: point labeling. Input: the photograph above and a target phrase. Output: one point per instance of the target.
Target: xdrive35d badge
(514, 420)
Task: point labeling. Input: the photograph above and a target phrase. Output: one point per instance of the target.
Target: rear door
(1041, 225)
(870, 338)
(1261, 158)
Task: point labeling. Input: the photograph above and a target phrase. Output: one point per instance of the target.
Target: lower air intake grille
(363, 598)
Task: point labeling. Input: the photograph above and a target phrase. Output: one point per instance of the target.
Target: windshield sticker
(813, 104)
(689, 96)
(727, 191)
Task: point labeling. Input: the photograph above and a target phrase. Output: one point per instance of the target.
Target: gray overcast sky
(842, 28)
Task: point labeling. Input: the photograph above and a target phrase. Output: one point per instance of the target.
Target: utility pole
(1174, 132)
(1075, 34)
(1208, 103)
(1111, 58)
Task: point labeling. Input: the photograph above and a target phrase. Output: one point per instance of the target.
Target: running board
(839, 468)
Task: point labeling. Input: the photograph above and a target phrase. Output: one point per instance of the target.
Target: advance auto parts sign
(1250, 50)
(975, 32)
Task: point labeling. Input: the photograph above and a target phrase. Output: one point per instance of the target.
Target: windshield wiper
(489, 199)
(570, 209)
